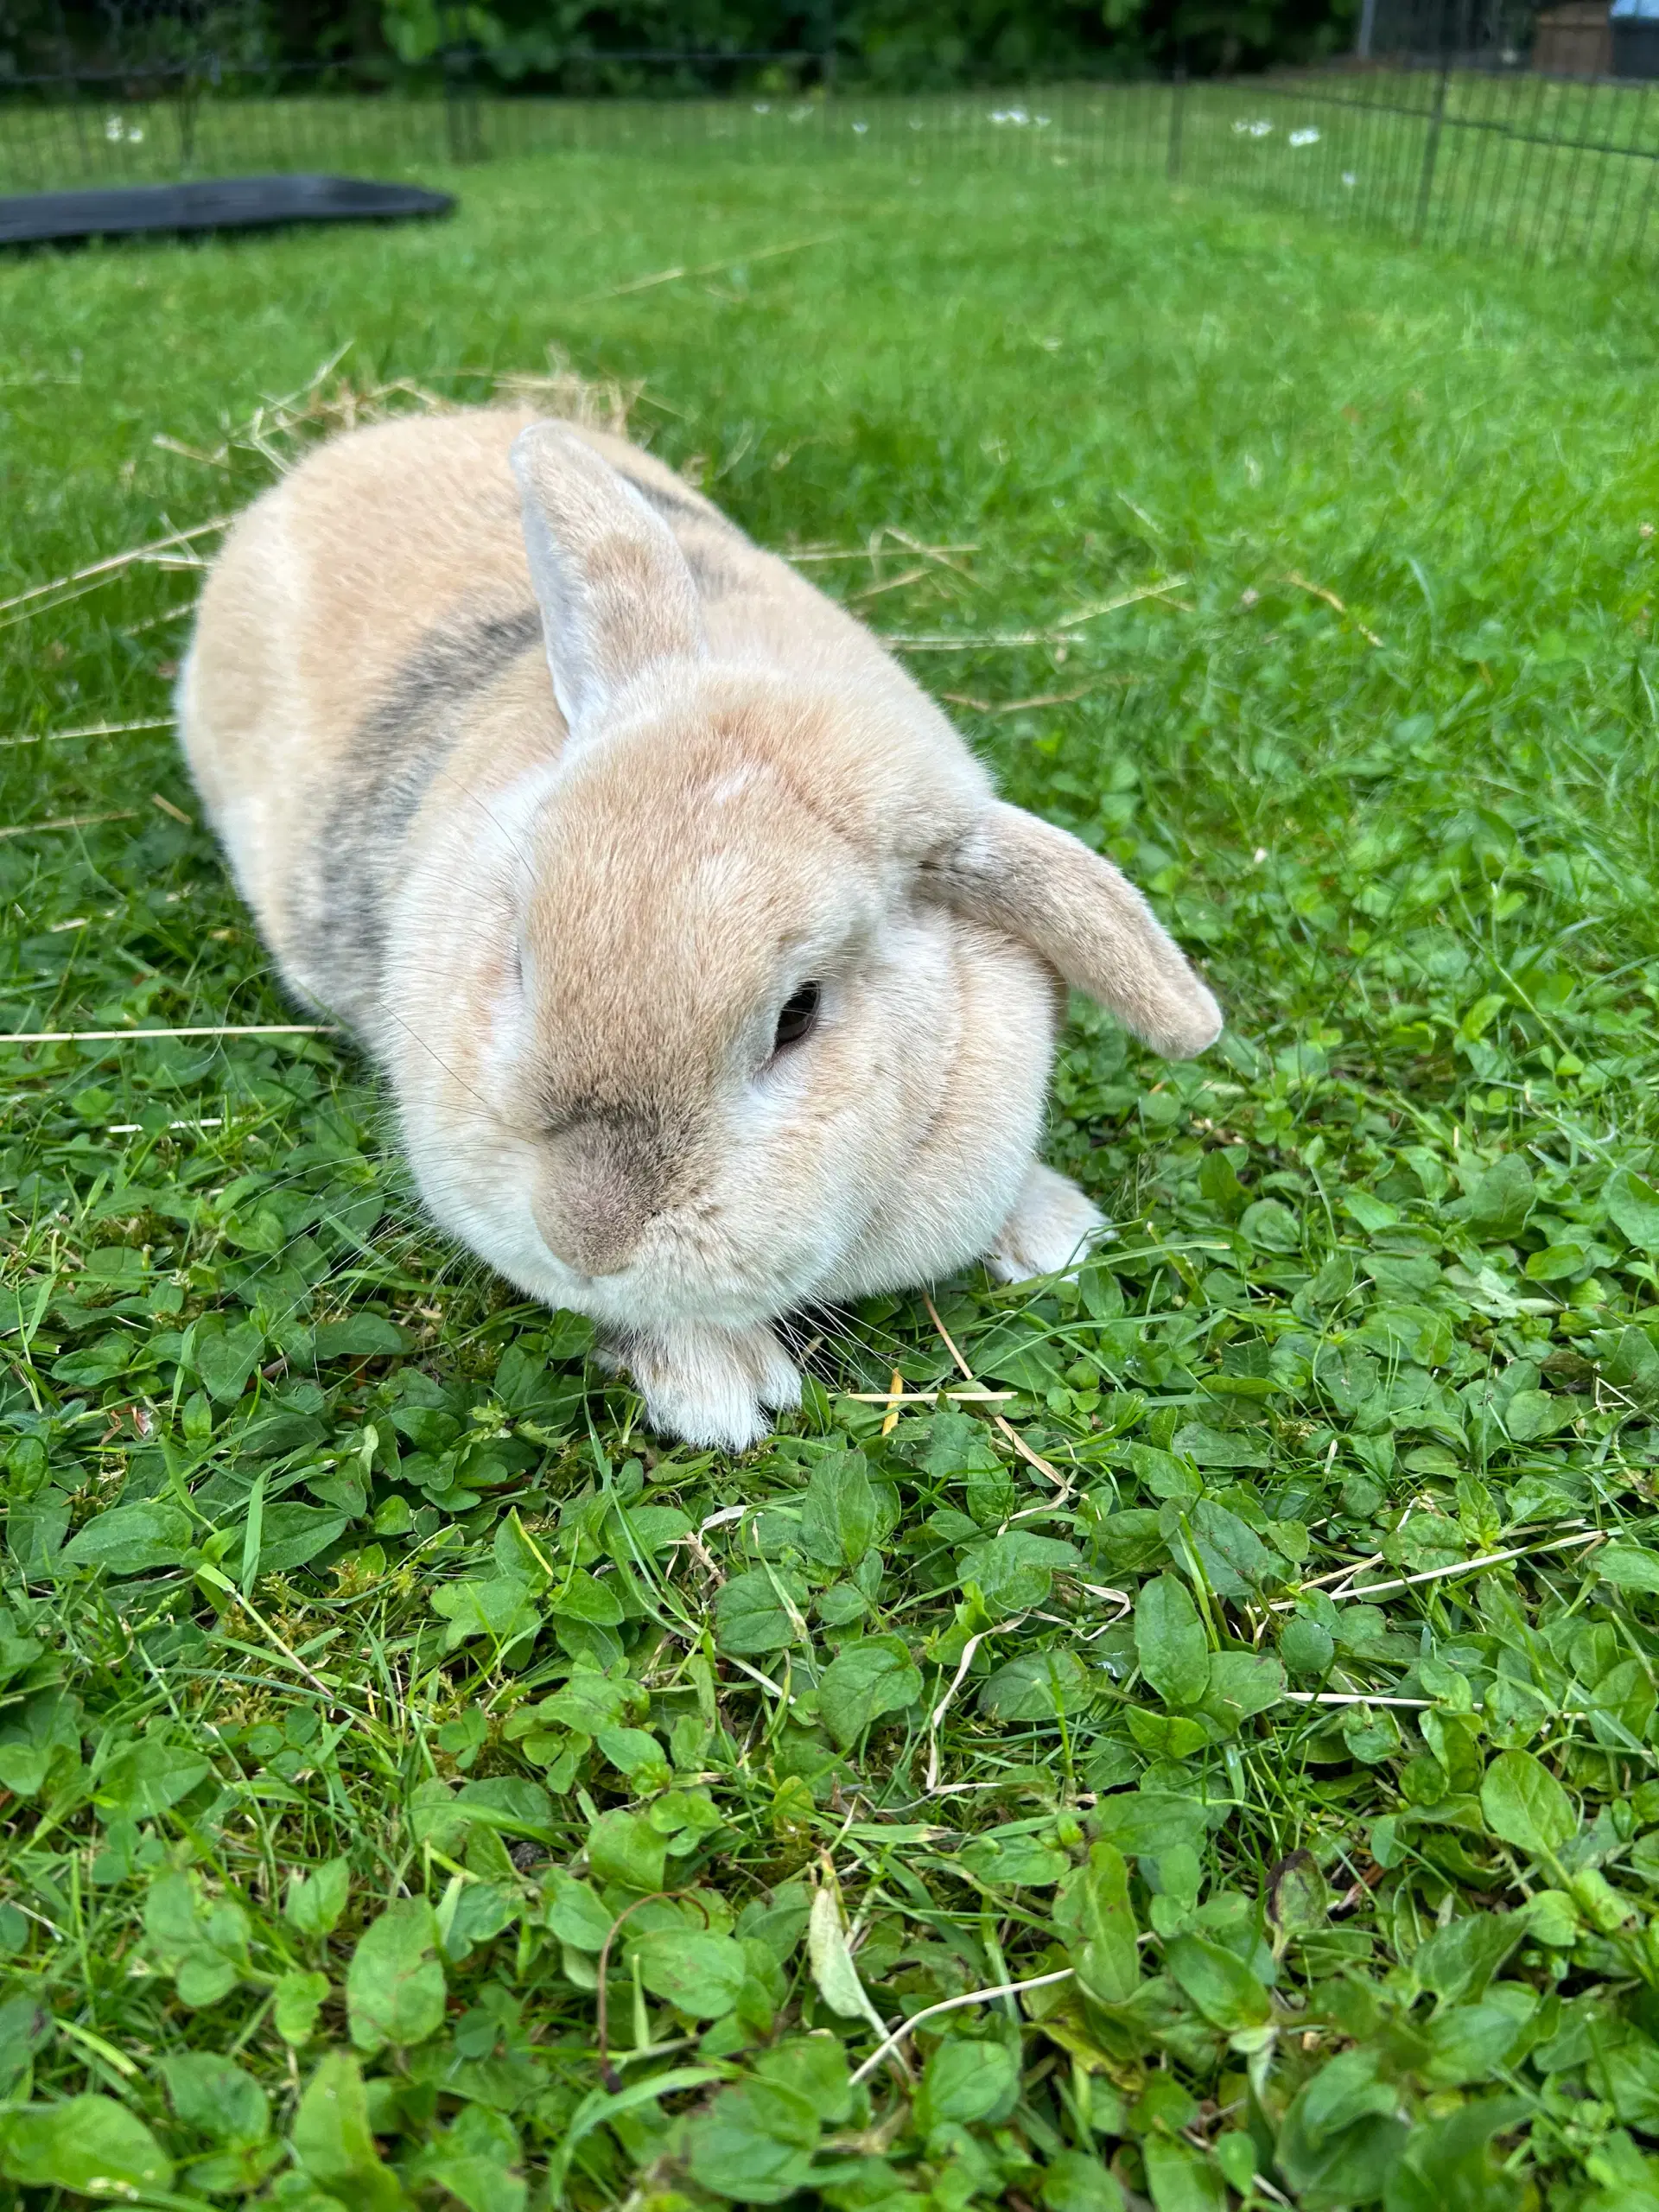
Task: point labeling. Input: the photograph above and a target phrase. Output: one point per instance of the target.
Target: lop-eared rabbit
(709, 974)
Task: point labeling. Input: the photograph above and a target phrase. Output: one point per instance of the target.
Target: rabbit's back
(368, 647)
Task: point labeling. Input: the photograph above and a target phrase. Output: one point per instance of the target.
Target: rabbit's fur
(564, 916)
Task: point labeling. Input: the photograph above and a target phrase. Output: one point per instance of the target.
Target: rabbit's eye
(798, 1017)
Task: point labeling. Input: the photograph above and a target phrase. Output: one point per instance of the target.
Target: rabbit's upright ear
(613, 587)
(1045, 887)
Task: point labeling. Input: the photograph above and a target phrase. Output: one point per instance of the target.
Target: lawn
(424, 1785)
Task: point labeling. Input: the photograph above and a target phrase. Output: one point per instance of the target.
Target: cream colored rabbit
(711, 977)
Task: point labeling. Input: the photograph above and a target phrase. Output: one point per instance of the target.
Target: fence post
(1431, 151)
(1177, 116)
(460, 95)
(189, 94)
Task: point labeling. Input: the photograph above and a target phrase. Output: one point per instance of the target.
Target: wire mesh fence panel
(1490, 157)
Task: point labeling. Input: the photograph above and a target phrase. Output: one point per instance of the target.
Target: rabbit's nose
(592, 1204)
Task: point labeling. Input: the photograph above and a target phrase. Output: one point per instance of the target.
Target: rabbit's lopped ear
(613, 587)
(1045, 887)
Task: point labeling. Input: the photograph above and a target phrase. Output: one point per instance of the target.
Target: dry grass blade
(1017, 706)
(1061, 1482)
(63, 821)
(217, 1029)
(1161, 589)
(907, 2029)
(701, 269)
(1320, 591)
(26, 603)
(561, 393)
(86, 730)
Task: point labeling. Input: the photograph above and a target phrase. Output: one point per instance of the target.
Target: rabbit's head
(768, 977)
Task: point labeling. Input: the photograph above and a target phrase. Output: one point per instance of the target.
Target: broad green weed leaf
(838, 1514)
(1016, 1571)
(1526, 1805)
(1459, 1960)
(577, 1916)
(1298, 1900)
(752, 1612)
(958, 1445)
(333, 2140)
(1182, 2179)
(510, 1804)
(1218, 1982)
(1148, 1821)
(203, 1944)
(1037, 1686)
(1236, 1561)
(579, 1596)
(1306, 1648)
(1340, 2135)
(143, 1779)
(699, 1974)
(1019, 1354)
(1501, 1201)
(874, 1676)
(1012, 1861)
(395, 1985)
(737, 2149)
(625, 1848)
(316, 1900)
(88, 2145)
(496, 1608)
(589, 1701)
(1449, 2162)
(815, 2067)
(1170, 1641)
(967, 2081)
(226, 1359)
(1628, 1566)
(1096, 1919)
(131, 1539)
(360, 1335)
(292, 1534)
(1271, 1226)
(1241, 1684)
(1633, 1207)
(216, 2096)
(300, 1998)
(1073, 2181)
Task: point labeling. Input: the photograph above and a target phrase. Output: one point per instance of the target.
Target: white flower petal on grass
(1307, 135)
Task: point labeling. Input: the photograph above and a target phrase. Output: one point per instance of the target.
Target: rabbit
(710, 976)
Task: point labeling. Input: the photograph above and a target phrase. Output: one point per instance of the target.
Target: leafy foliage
(533, 45)
(423, 1787)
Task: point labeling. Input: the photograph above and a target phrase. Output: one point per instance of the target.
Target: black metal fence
(1469, 148)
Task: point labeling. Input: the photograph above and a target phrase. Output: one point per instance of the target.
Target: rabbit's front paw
(1048, 1231)
(708, 1385)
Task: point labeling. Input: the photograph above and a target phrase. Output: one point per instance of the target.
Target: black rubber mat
(212, 204)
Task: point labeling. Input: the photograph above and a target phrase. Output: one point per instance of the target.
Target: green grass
(325, 1558)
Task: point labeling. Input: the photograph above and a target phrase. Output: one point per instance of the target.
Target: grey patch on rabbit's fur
(677, 505)
(398, 749)
(712, 576)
